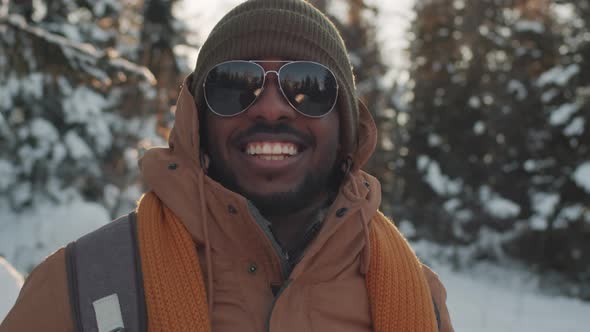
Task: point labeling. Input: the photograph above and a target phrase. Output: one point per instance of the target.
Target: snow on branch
(558, 75)
(53, 52)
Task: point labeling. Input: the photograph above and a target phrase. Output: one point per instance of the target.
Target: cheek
(216, 131)
(330, 131)
(327, 134)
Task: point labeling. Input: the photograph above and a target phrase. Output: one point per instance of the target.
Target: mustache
(281, 128)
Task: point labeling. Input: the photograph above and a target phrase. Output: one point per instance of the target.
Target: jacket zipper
(281, 254)
(286, 268)
(274, 301)
(284, 259)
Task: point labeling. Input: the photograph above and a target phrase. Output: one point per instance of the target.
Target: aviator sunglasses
(231, 87)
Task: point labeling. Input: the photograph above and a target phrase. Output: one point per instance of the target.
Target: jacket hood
(174, 172)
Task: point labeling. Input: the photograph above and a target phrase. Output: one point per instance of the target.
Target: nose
(271, 106)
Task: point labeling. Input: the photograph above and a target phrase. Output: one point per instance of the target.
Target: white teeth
(272, 151)
(268, 157)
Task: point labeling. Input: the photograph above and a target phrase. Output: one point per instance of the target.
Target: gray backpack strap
(105, 280)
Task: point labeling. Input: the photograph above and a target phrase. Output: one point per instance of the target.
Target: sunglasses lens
(232, 87)
(310, 87)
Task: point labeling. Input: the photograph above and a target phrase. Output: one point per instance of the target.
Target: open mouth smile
(267, 150)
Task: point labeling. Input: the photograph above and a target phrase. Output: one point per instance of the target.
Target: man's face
(271, 154)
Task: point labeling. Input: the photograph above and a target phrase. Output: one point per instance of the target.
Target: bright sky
(393, 21)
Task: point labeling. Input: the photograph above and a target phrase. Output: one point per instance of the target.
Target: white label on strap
(108, 313)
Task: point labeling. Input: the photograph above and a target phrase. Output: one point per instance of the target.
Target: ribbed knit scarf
(176, 300)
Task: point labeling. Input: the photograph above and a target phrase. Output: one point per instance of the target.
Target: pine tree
(143, 32)
(66, 123)
(359, 31)
(476, 115)
(161, 32)
(498, 137)
(559, 234)
(77, 105)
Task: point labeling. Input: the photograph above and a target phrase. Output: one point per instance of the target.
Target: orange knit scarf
(176, 300)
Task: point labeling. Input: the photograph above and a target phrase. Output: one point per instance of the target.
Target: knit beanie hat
(287, 29)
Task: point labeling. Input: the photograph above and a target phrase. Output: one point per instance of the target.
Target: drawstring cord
(208, 258)
(367, 249)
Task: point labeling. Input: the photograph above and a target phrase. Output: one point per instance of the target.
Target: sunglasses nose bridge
(271, 72)
(271, 105)
(265, 81)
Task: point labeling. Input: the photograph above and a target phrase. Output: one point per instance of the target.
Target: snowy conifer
(61, 120)
(357, 24)
(498, 138)
(476, 115)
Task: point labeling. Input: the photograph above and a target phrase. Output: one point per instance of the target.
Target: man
(259, 217)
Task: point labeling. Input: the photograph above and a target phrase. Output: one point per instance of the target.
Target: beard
(314, 185)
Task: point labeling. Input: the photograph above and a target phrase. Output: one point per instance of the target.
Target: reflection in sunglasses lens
(233, 86)
(310, 87)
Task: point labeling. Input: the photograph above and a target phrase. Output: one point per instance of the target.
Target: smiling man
(280, 147)
(259, 217)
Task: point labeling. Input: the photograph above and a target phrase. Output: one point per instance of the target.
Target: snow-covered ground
(10, 283)
(28, 237)
(486, 297)
(478, 304)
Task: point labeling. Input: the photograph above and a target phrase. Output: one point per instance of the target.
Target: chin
(280, 195)
(270, 189)
(279, 203)
(294, 198)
